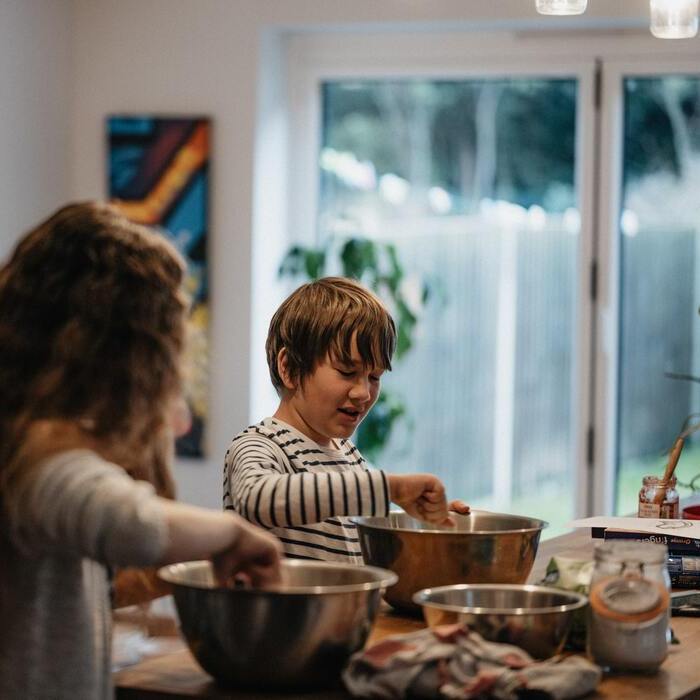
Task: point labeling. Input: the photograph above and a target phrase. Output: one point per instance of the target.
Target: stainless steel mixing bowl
(298, 635)
(481, 547)
(535, 618)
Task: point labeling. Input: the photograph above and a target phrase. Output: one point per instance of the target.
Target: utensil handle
(670, 468)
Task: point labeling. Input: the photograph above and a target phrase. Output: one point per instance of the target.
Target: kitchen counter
(174, 673)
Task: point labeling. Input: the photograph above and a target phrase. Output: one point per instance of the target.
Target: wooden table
(177, 675)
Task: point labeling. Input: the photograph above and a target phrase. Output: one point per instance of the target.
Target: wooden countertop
(175, 673)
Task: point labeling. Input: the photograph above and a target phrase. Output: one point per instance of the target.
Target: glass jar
(648, 508)
(628, 619)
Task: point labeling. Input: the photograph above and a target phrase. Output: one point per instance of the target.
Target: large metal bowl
(481, 547)
(297, 635)
(535, 618)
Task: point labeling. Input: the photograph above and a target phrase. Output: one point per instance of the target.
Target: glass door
(477, 184)
(656, 225)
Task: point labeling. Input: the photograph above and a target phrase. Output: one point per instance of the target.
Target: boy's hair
(91, 330)
(321, 318)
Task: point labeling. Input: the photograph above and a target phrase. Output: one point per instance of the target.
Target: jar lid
(629, 599)
(630, 596)
(633, 555)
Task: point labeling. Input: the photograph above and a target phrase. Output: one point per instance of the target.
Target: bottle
(648, 505)
(628, 624)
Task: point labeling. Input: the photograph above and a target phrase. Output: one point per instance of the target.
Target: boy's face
(333, 399)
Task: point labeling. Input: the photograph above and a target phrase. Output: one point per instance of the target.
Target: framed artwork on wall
(158, 175)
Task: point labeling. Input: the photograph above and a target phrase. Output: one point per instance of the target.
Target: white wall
(35, 101)
(205, 56)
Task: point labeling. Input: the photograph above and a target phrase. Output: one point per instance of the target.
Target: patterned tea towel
(453, 663)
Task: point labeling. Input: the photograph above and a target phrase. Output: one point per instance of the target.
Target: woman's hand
(254, 557)
(421, 495)
(235, 546)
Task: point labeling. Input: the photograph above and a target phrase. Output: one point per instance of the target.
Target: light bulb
(674, 19)
(561, 7)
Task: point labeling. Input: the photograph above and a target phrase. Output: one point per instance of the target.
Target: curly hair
(91, 329)
(322, 317)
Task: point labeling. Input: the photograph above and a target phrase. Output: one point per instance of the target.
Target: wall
(224, 58)
(35, 102)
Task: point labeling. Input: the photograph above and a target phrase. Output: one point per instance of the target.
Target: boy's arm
(264, 492)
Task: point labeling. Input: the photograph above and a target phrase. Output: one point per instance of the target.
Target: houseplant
(377, 266)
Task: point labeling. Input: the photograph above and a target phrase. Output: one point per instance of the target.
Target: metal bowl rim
(384, 579)
(362, 521)
(579, 600)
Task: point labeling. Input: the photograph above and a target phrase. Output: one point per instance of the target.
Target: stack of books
(683, 552)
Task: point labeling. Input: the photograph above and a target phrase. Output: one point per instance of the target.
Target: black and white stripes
(278, 478)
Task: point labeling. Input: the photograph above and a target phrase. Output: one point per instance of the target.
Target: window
(555, 225)
(659, 229)
(473, 181)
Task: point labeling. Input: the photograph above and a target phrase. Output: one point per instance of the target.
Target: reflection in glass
(473, 181)
(659, 280)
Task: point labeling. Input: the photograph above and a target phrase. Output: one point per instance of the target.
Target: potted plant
(377, 266)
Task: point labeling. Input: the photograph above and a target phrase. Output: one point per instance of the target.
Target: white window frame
(311, 58)
(607, 338)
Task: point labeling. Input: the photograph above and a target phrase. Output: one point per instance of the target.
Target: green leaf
(314, 263)
(359, 256)
(303, 261)
(292, 263)
(374, 432)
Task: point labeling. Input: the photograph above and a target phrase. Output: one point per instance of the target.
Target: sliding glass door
(658, 232)
(540, 223)
(475, 184)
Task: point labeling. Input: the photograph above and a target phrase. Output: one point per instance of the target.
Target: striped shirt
(278, 478)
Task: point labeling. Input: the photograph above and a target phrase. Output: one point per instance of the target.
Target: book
(683, 561)
(684, 571)
(676, 544)
(671, 527)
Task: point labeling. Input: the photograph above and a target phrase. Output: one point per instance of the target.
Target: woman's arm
(234, 545)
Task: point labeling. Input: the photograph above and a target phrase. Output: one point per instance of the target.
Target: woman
(91, 334)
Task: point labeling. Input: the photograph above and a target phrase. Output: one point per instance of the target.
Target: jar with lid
(628, 625)
(649, 505)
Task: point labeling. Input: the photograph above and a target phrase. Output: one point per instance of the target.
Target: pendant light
(561, 7)
(674, 19)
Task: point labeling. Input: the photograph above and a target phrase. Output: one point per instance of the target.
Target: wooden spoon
(668, 472)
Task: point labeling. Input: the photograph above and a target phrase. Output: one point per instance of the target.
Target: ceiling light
(674, 19)
(561, 7)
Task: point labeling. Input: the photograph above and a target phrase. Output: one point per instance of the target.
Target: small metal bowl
(294, 636)
(481, 547)
(535, 618)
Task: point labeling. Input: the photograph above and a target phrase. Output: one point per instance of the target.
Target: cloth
(572, 574)
(452, 662)
(76, 514)
(278, 478)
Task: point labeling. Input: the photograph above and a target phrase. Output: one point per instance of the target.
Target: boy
(297, 473)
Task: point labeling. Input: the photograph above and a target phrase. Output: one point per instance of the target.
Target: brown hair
(91, 331)
(322, 317)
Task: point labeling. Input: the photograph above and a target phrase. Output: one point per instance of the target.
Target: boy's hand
(254, 556)
(458, 506)
(422, 496)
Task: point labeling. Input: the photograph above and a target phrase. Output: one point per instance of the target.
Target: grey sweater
(77, 513)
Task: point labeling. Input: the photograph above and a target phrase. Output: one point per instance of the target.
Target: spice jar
(628, 626)
(649, 507)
